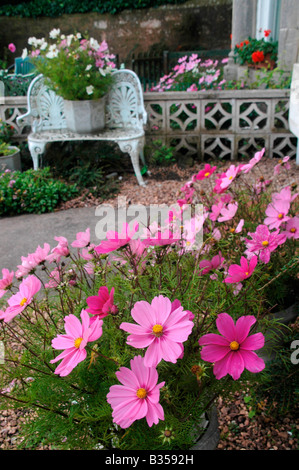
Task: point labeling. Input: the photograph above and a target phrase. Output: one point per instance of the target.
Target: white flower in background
(78, 35)
(69, 39)
(54, 33)
(102, 72)
(53, 51)
(89, 89)
(24, 53)
(94, 44)
(32, 41)
(88, 67)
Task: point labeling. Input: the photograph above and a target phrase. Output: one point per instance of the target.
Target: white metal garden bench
(125, 119)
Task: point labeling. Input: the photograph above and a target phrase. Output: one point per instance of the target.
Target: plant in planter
(126, 344)
(79, 69)
(257, 53)
(9, 157)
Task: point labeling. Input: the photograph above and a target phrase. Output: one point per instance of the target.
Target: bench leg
(36, 150)
(134, 149)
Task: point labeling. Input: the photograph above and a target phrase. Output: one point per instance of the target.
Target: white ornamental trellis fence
(223, 124)
(226, 124)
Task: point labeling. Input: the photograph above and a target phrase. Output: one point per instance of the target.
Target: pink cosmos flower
(40, 254)
(138, 396)
(102, 304)
(276, 213)
(228, 212)
(59, 251)
(159, 328)
(74, 341)
(264, 242)
(19, 301)
(55, 278)
(116, 240)
(226, 178)
(232, 352)
(6, 281)
(11, 47)
(292, 228)
(284, 162)
(193, 87)
(257, 157)
(215, 210)
(206, 172)
(285, 195)
(206, 266)
(239, 273)
(82, 239)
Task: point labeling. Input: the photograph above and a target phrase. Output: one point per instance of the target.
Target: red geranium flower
(258, 56)
(267, 32)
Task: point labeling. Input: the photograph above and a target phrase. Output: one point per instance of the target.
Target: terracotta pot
(12, 161)
(85, 117)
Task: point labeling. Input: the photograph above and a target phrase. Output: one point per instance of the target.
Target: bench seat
(125, 119)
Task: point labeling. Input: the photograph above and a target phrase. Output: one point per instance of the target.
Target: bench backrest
(124, 108)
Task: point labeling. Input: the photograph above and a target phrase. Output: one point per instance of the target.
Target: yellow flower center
(247, 273)
(158, 330)
(207, 174)
(293, 230)
(232, 230)
(230, 177)
(234, 346)
(280, 216)
(77, 342)
(141, 393)
(23, 301)
(265, 243)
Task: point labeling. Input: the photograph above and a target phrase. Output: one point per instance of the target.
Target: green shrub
(33, 191)
(54, 8)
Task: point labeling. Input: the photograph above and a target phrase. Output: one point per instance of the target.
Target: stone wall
(196, 24)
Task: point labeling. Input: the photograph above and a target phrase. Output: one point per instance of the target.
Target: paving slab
(20, 235)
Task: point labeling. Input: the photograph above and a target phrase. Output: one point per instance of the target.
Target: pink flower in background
(193, 87)
(59, 251)
(206, 172)
(19, 301)
(261, 185)
(54, 279)
(239, 227)
(264, 242)
(276, 213)
(11, 47)
(257, 157)
(284, 162)
(228, 212)
(226, 178)
(138, 396)
(74, 341)
(102, 304)
(232, 350)
(215, 210)
(216, 262)
(82, 239)
(116, 240)
(6, 281)
(238, 273)
(40, 254)
(292, 228)
(285, 195)
(159, 328)
(28, 265)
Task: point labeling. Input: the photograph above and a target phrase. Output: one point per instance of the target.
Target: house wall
(196, 24)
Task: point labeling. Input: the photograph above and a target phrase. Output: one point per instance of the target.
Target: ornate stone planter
(12, 161)
(85, 117)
